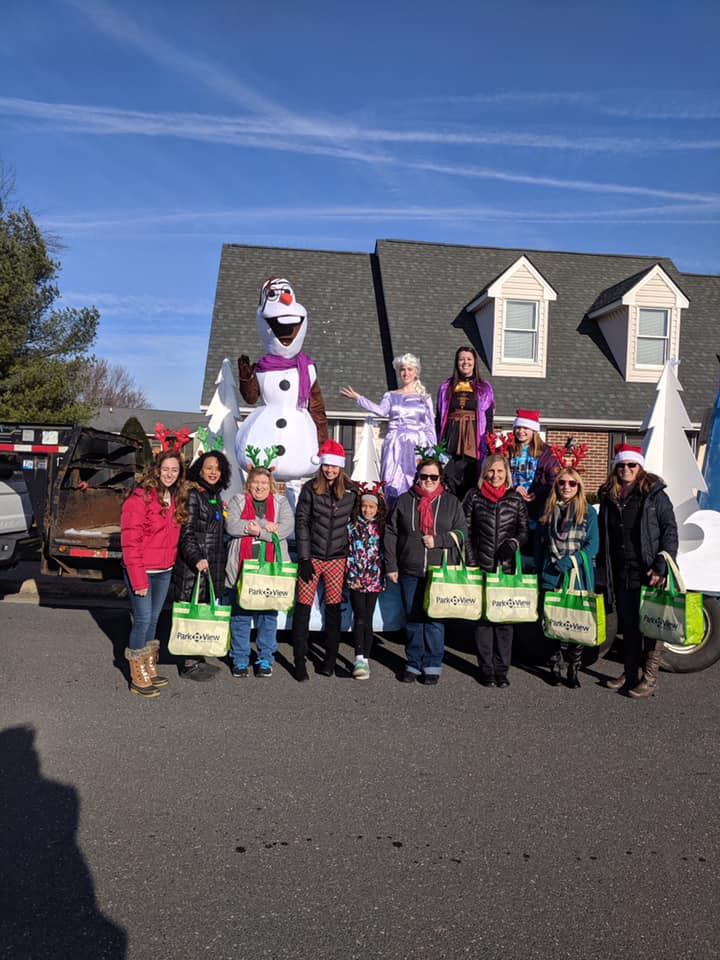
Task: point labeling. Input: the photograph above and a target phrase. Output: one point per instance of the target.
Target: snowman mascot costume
(292, 417)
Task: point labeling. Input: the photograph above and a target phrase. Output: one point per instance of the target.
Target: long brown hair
(535, 446)
(579, 500)
(456, 375)
(151, 484)
(644, 482)
(337, 488)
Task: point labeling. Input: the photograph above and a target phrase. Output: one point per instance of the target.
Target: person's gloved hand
(506, 551)
(564, 564)
(306, 570)
(659, 566)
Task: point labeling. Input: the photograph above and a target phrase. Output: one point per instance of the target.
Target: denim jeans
(241, 621)
(146, 610)
(425, 643)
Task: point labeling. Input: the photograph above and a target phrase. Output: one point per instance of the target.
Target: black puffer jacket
(405, 551)
(658, 532)
(200, 539)
(321, 523)
(490, 525)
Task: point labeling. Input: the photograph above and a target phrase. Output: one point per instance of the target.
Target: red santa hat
(527, 418)
(332, 453)
(624, 453)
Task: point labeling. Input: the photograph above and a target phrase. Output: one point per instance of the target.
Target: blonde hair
(580, 500)
(490, 461)
(261, 472)
(410, 360)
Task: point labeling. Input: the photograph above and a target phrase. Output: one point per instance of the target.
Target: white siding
(655, 293)
(522, 285)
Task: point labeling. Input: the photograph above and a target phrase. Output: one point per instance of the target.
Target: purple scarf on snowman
(301, 363)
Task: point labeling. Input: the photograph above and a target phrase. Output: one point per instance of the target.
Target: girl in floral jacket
(365, 572)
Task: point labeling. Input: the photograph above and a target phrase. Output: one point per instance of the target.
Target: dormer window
(512, 317)
(640, 320)
(520, 331)
(651, 348)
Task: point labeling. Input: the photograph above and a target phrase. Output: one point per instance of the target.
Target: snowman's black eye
(287, 290)
(272, 294)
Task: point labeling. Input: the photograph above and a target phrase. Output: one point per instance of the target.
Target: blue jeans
(425, 643)
(240, 627)
(146, 610)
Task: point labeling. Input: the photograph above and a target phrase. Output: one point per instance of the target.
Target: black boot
(574, 656)
(555, 673)
(332, 639)
(300, 631)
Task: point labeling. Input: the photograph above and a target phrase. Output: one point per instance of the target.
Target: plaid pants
(333, 574)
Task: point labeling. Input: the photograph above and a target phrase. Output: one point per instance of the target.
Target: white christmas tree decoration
(667, 450)
(366, 463)
(223, 416)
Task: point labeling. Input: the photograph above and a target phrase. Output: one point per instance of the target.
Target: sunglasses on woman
(567, 483)
(429, 476)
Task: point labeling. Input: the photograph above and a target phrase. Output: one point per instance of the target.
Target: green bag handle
(461, 551)
(278, 561)
(518, 565)
(194, 601)
(571, 577)
(675, 582)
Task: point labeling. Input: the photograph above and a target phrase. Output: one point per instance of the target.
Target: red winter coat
(149, 538)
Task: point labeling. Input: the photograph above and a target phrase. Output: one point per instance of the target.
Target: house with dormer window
(580, 337)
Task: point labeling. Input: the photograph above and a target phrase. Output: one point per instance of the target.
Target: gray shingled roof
(426, 287)
(338, 293)
(411, 296)
(618, 290)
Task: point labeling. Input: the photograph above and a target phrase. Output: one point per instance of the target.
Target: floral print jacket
(366, 563)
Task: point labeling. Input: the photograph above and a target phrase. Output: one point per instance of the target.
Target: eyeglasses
(431, 477)
(567, 483)
(628, 466)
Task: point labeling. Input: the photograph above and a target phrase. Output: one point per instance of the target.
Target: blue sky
(146, 135)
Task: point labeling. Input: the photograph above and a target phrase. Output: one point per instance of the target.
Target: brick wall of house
(594, 468)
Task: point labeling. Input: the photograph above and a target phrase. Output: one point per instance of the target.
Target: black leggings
(363, 605)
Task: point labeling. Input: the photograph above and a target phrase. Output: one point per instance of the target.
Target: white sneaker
(361, 670)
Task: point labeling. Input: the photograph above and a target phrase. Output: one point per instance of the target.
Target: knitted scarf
(246, 543)
(565, 535)
(494, 494)
(425, 507)
(301, 363)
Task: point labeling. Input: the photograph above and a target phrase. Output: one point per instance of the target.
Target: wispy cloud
(150, 220)
(140, 305)
(260, 132)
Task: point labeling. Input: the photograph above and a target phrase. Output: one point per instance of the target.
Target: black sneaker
(430, 679)
(240, 672)
(263, 668)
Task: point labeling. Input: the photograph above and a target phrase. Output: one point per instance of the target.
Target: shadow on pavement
(47, 899)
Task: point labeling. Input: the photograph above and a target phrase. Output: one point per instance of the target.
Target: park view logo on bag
(200, 629)
(576, 616)
(454, 592)
(511, 597)
(267, 585)
(671, 614)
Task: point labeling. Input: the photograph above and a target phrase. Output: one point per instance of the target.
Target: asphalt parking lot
(266, 818)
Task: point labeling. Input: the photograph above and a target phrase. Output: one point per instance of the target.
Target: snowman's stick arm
(316, 408)
(247, 380)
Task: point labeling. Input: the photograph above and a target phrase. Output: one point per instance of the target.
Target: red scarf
(427, 518)
(494, 494)
(246, 543)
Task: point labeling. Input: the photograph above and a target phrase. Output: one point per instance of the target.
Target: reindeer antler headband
(172, 440)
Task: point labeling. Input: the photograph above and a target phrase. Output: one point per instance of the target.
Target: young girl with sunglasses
(568, 528)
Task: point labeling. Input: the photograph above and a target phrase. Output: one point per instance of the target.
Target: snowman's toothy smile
(283, 330)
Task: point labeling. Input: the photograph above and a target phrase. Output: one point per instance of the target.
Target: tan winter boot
(648, 685)
(616, 683)
(152, 661)
(140, 681)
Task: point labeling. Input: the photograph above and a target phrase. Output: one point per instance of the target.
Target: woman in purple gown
(409, 410)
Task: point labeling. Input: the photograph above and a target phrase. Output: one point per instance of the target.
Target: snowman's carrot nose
(286, 298)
